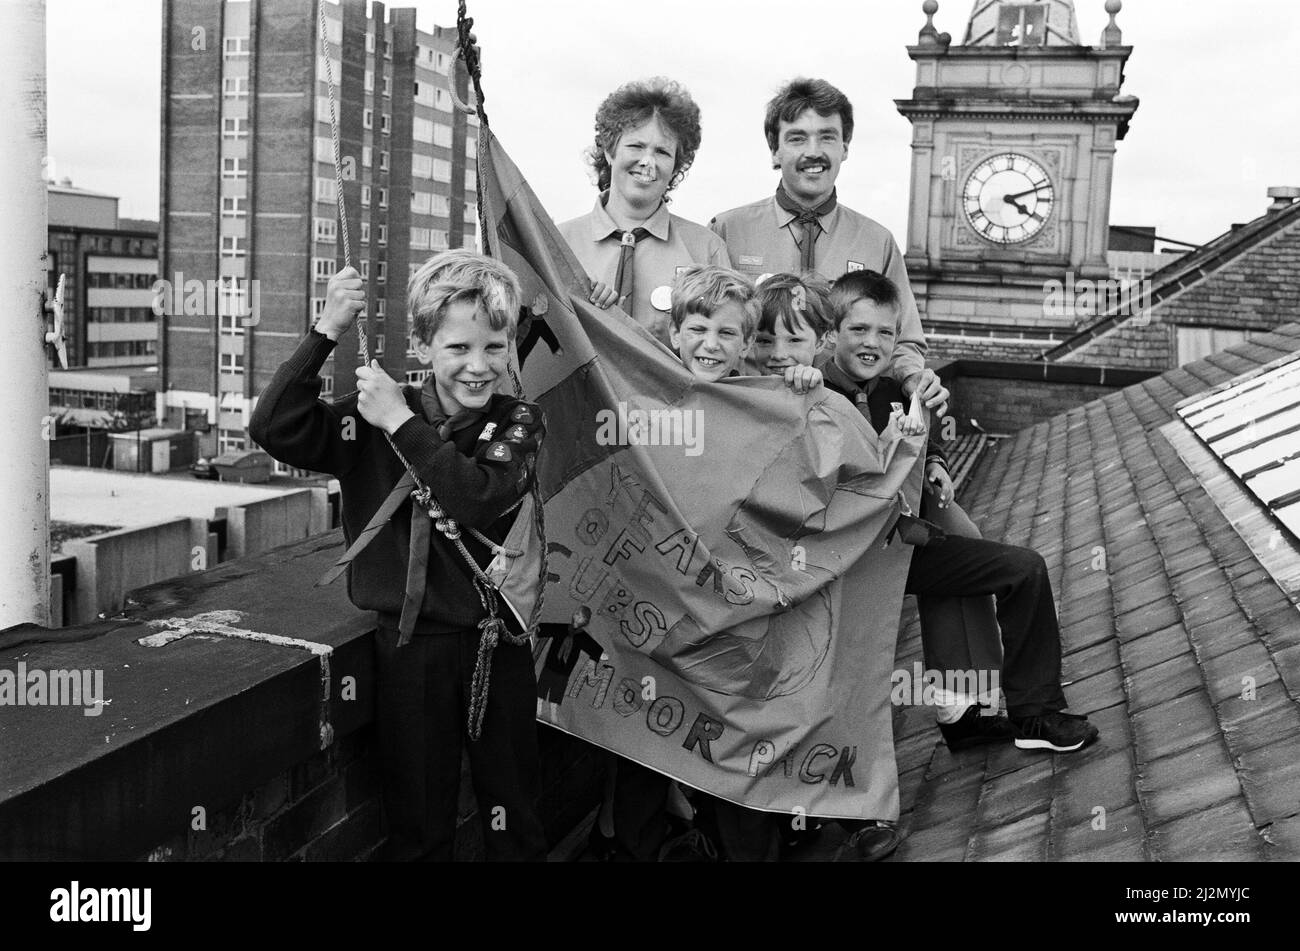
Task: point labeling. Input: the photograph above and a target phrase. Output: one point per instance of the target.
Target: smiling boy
(714, 324)
(476, 451)
(866, 306)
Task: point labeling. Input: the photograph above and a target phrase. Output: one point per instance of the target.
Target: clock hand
(1029, 191)
(1011, 200)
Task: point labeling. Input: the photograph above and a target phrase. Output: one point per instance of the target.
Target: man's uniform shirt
(762, 238)
(672, 243)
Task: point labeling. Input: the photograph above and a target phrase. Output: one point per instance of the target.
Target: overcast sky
(1219, 120)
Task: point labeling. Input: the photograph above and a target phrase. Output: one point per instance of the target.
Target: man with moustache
(804, 229)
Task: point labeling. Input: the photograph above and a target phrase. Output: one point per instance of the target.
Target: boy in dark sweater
(866, 306)
(475, 450)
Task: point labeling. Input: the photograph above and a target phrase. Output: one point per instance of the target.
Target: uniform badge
(750, 260)
(661, 298)
(855, 266)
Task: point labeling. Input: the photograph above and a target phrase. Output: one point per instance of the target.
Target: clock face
(1008, 198)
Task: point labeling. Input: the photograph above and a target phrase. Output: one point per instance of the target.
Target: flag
(725, 609)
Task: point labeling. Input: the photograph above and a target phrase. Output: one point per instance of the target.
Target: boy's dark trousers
(1031, 637)
(423, 692)
(640, 811)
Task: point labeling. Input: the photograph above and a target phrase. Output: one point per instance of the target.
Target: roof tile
(1163, 682)
(1225, 675)
(1271, 716)
(1105, 778)
(1221, 833)
(1155, 648)
(1011, 796)
(1270, 778)
(1173, 727)
(1195, 779)
(1021, 841)
(1121, 839)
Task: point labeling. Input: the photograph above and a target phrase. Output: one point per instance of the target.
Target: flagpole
(25, 477)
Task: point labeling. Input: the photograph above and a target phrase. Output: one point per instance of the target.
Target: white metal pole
(24, 473)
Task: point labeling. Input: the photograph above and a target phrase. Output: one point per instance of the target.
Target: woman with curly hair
(647, 133)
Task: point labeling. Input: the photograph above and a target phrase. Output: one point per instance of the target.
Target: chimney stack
(1283, 196)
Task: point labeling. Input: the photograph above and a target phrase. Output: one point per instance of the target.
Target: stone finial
(1112, 36)
(928, 36)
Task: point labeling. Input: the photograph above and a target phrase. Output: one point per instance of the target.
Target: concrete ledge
(250, 709)
(268, 523)
(195, 723)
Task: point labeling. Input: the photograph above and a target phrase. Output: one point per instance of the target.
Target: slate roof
(1183, 272)
(1156, 644)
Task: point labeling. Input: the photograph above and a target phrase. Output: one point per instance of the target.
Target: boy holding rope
(443, 655)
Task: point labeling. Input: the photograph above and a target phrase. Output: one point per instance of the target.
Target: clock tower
(1013, 145)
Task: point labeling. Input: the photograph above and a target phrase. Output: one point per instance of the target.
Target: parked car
(204, 469)
(250, 465)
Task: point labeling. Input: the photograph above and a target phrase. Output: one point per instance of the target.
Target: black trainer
(975, 728)
(1054, 731)
(875, 841)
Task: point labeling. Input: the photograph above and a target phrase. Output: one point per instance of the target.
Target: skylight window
(1253, 426)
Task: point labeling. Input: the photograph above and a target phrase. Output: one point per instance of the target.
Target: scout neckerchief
(810, 218)
(623, 277)
(418, 561)
(860, 392)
